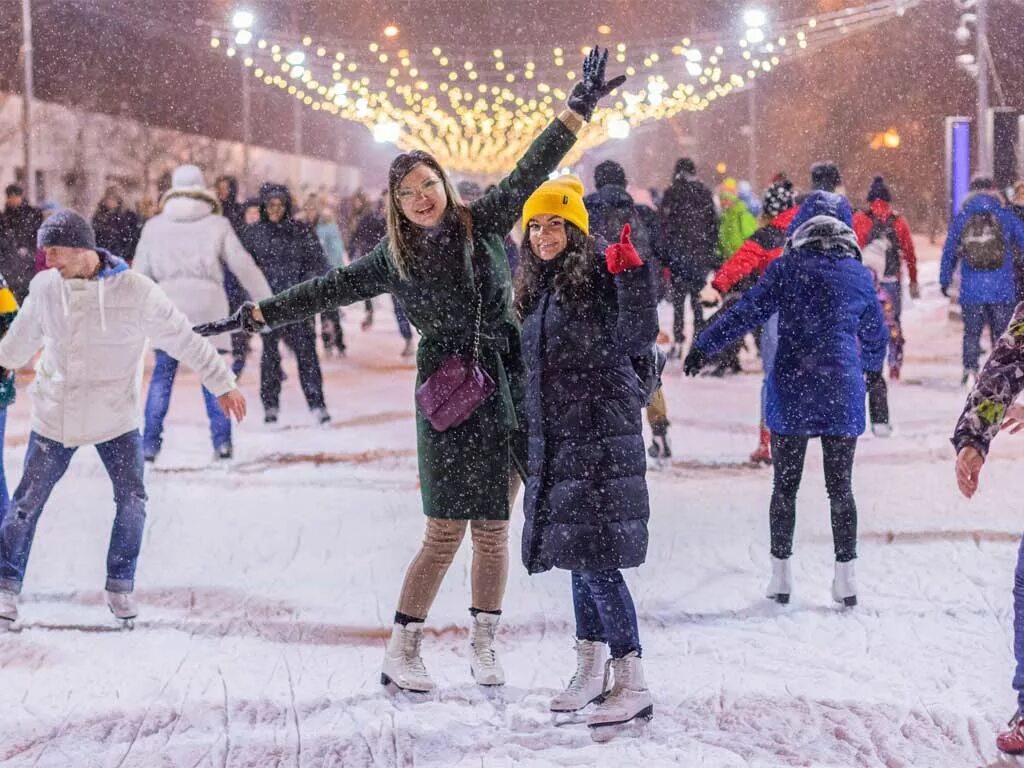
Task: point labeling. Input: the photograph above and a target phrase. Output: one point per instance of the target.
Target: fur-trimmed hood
(189, 203)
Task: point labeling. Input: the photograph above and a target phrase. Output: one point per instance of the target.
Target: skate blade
(603, 732)
(782, 598)
(485, 684)
(394, 688)
(560, 719)
(6, 624)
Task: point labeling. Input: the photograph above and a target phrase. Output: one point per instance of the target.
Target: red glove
(622, 255)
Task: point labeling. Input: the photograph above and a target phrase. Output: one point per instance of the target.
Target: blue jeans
(45, 463)
(1018, 626)
(976, 317)
(604, 611)
(5, 498)
(769, 346)
(159, 400)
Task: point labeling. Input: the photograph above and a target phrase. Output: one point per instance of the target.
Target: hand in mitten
(622, 255)
(243, 319)
(694, 362)
(592, 87)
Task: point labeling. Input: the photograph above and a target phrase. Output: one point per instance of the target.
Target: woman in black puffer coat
(584, 316)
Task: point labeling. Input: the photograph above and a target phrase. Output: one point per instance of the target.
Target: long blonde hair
(399, 227)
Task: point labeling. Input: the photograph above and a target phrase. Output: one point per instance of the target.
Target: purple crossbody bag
(453, 392)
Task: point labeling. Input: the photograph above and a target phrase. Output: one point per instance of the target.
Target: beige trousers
(489, 572)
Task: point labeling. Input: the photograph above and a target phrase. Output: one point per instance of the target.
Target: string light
(477, 110)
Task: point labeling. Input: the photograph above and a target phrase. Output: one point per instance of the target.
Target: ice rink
(267, 588)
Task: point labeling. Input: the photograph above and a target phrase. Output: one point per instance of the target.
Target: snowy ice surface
(267, 589)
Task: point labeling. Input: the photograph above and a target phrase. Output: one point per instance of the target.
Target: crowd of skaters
(536, 358)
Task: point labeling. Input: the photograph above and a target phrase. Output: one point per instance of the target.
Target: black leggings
(788, 453)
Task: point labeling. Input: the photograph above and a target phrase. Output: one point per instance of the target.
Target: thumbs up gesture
(622, 255)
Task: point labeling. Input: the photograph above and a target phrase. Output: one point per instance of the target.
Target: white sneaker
(403, 666)
(8, 609)
(844, 585)
(588, 682)
(122, 605)
(629, 698)
(781, 584)
(484, 664)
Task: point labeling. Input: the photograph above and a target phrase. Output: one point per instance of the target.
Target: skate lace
(413, 660)
(483, 644)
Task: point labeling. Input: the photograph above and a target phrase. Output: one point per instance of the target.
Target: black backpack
(981, 243)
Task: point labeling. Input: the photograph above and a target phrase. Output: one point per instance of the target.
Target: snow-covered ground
(268, 588)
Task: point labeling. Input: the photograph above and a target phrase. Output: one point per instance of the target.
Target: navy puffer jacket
(586, 504)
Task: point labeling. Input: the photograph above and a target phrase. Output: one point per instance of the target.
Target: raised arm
(756, 306)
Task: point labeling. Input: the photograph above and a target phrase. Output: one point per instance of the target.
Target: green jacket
(464, 471)
(736, 225)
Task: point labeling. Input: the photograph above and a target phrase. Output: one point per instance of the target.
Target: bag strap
(469, 251)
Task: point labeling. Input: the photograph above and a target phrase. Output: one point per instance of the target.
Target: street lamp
(243, 21)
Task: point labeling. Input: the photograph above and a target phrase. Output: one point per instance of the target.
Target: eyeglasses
(425, 189)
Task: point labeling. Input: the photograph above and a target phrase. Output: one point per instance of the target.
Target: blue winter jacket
(586, 504)
(831, 327)
(983, 287)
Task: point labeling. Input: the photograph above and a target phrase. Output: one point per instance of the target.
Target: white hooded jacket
(185, 249)
(93, 333)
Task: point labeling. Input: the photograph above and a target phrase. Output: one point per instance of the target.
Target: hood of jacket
(982, 201)
(280, 191)
(827, 236)
(189, 204)
(821, 203)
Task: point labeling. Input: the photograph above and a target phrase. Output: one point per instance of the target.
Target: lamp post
(26, 102)
(243, 21)
(754, 19)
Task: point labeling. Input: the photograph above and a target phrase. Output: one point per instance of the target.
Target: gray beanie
(66, 228)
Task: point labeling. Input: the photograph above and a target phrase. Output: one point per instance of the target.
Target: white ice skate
(628, 701)
(123, 606)
(484, 664)
(781, 584)
(881, 430)
(403, 668)
(844, 585)
(8, 609)
(321, 416)
(588, 683)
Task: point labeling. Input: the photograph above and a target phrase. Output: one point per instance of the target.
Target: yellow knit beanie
(561, 197)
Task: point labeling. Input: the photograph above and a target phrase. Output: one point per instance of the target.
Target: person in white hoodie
(91, 316)
(185, 250)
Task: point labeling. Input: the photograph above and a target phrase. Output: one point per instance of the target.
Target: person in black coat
(586, 505)
(688, 239)
(20, 222)
(288, 252)
(117, 227)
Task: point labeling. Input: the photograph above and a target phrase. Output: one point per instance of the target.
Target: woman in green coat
(442, 260)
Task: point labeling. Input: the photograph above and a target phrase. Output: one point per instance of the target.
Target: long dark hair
(401, 231)
(574, 281)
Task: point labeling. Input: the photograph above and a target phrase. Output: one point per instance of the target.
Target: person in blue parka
(982, 240)
(832, 336)
(584, 316)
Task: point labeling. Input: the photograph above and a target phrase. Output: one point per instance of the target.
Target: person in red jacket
(886, 243)
(745, 267)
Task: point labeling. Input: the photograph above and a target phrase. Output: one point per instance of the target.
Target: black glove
(592, 87)
(241, 320)
(694, 362)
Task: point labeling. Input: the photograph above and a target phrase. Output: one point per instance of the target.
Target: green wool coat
(464, 471)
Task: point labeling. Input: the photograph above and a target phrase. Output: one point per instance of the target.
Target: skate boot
(781, 584)
(881, 430)
(763, 453)
(270, 415)
(409, 349)
(484, 664)
(660, 447)
(122, 605)
(1011, 741)
(675, 352)
(844, 585)
(403, 667)
(224, 452)
(8, 609)
(588, 683)
(629, 698)
(969, 378)
(321, 415)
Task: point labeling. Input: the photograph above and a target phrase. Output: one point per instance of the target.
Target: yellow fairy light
(307, 40)
(214, 42)
(374, 47)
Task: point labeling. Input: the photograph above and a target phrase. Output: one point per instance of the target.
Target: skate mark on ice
(929, 537)
(319, 459)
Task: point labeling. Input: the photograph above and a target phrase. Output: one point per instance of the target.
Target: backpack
(648, 368)
(982, 245)
(881, 254)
